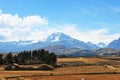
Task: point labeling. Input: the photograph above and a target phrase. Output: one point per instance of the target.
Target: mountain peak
(57, 37)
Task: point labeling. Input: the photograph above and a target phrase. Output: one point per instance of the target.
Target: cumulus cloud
(101, 35)
(94, 36)
(31, 21)
(8, 20)
(15, 28)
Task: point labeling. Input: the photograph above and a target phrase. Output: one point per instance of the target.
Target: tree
(9, 58)
(16, 59)
(52, 59)
(1, 59)
(42, 55)
(32, 57)
(21, 57)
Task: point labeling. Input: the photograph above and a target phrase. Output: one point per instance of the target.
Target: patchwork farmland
(70, 69)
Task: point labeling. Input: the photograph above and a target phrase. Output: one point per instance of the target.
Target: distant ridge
(115, 44)
(59, 43)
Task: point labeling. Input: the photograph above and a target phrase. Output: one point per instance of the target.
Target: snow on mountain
(101, 45)
(53, 39)
(63, 39)
(15, 46)
(114, 44)
(57, 37)
(21, 43)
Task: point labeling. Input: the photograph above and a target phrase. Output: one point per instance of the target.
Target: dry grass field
(88, 72)
(76, 77)
(80, 59)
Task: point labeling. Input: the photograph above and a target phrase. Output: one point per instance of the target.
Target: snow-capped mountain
(23, 43)
(115, 44)
(14, 46)
(53, 39)
(63, 39)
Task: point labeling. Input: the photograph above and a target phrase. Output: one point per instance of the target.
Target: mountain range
(59, 43)
(115, 44)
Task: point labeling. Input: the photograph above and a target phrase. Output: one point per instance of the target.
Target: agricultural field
(76, 77)
(80, 59)
(71, 69)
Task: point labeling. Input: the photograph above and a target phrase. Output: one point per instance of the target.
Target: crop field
(97, 71)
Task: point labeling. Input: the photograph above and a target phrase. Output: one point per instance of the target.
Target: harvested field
(77, 70)
(80, 59)
(83, 69)
(4, 74)
(87, 72)
(77, 77)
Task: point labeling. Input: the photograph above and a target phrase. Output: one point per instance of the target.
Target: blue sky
(86, 20)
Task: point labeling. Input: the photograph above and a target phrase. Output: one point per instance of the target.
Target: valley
(62, 44)
(76, 60)
(81, 68)
(59, 39)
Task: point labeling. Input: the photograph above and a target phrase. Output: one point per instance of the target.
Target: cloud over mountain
(35, 27)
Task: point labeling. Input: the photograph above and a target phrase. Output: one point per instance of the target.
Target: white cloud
(14, 28)
(94, 36)
(8, 20)
(33, 21)
(101, 35)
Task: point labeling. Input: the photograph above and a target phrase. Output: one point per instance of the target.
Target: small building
(46, 67)
(15, 66)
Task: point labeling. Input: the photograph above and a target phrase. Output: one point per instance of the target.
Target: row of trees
(30, 57)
